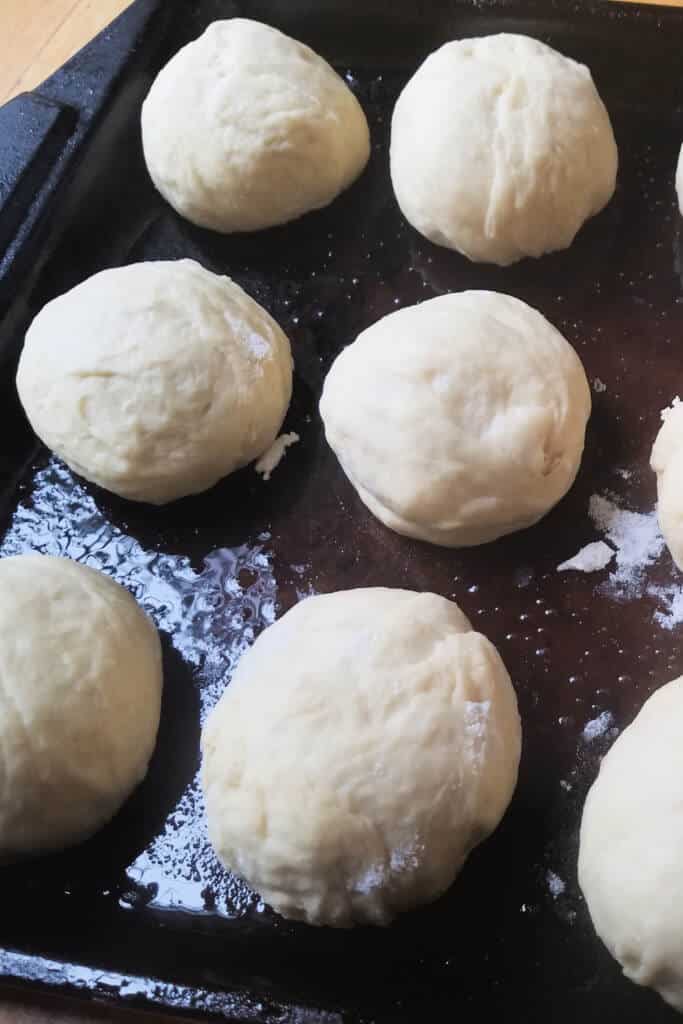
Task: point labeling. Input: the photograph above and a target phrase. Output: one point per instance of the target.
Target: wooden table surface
(36, 37)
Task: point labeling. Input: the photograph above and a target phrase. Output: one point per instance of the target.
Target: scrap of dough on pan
(590, 558)
(272, 458)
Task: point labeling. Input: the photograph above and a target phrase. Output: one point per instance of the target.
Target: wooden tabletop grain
(36, 37)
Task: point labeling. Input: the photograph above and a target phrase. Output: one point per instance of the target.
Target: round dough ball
(631, 849)
(667, 462)
(246, 128)
(460, 419)
(679, 180)
(156, 379)
(367, 742)
(501, 148)
(80, 699)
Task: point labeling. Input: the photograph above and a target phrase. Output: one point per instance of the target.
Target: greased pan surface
(142, 912)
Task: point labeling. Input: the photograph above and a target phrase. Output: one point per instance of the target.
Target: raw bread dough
(631, 852)
(460, 419)
(679, 180)
(367, 742)
(246, 128)
(667, 462)
(501, 148)
(155, 380)
(80, 696)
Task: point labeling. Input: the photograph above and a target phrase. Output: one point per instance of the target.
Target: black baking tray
(142, 913)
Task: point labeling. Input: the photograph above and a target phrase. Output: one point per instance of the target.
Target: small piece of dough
(460, 419)
(80, 697)
(155, 380)
(366, 743)
(679, 180)
(272, 458)
(246, 128)
(590, 558)
(501, 148)
(667, 462)
(631, 849)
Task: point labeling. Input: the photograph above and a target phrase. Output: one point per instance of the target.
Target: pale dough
(80, 696)
(156, 379)
(246, 128)
(501, 148)
(460, 419)
(679, 180)
(631, 851)
(366, 743)
(667, 462)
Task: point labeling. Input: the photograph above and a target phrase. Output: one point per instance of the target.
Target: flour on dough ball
(80, 665)
(679, 180)
(631, 848)
(366, 743)
(501, 148)
(246, 128)
(667, 462)
(155, 380)
(460, 419)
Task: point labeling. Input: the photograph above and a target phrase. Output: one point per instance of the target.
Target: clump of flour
(636, 539)
(597, 726)
(555, 884)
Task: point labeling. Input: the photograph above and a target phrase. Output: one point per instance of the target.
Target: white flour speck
(599, 386)
(590, 558)
(372, 878)
(476, 717)
(566, 786)
(672, 599)
(272, 458)
(405, 858)
(555, 884)
(624, 473)
(257, 345)
(597, 726)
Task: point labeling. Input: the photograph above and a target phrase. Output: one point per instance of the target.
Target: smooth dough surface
(246, 128)
(80, 697)
(156, 379)
(679, 180)
(667, 462)
(367, 742)
(631, 849)
(460, 419)
(501, 148)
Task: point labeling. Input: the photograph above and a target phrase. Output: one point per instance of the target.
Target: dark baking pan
(143, 913)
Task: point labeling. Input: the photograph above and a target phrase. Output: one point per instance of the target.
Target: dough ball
(679, 180)
(631, 851)
(155, 380)
(667, 462)
(460, 419)
(246, 128)
(367, 742)
(80, 665)
(501, 148)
